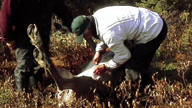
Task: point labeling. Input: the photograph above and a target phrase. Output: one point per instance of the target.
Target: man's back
(129, 22)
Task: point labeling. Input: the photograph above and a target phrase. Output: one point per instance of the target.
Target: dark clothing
(16, 16)
(142, 56)
(27, 72)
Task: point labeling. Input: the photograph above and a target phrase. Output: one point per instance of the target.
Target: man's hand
(100, 69)
(11, 45)
(97, 58)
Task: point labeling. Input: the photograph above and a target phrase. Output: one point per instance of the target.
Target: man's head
(79, 26)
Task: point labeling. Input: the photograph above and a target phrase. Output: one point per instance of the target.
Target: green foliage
(67, 52)
(88, 7)
(177, 15)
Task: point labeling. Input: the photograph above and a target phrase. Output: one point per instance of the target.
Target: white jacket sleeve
(122, 53)
(101, 46)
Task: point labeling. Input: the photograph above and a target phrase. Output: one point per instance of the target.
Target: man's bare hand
(97, 58)
(100, 69)
(11, 45)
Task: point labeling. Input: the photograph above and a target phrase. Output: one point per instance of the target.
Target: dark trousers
(27, 73)
(142, 55)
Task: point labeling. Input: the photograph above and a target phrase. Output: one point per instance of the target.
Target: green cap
(78, 27)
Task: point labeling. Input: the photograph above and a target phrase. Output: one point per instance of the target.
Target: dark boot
(133, 75)
(32, 82)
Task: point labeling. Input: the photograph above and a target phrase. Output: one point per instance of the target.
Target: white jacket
(118, 23)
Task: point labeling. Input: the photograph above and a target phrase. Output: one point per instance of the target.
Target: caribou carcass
(68, 84)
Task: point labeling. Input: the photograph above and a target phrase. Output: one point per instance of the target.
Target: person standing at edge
(117, 25)
(16, 16)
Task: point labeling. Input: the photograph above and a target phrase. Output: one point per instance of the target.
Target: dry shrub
(174, 54)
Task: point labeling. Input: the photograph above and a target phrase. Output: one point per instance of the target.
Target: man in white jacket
(115, 24)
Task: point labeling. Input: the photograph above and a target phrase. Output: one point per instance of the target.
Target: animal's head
(66, 98)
